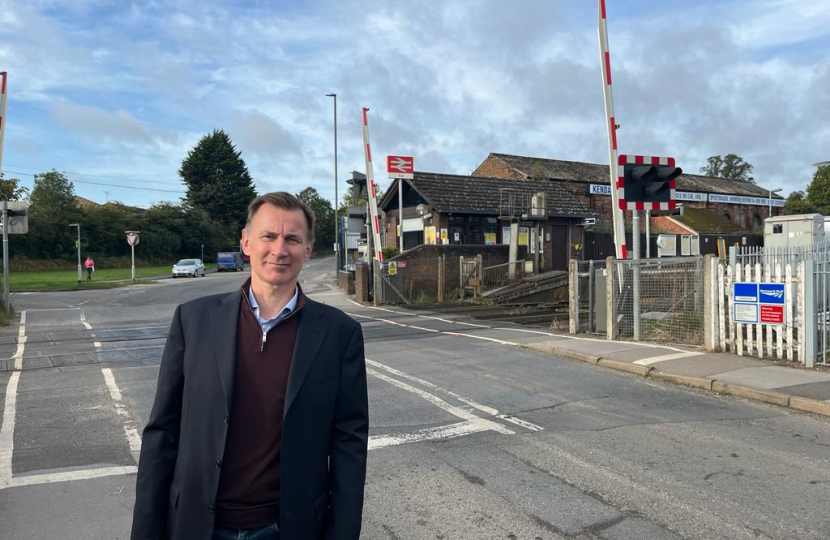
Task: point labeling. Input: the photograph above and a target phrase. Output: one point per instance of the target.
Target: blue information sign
(771, 293)
(746, 292)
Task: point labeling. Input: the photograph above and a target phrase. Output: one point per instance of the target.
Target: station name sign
(605, 189)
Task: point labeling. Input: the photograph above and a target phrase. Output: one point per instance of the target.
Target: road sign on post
(133, 239)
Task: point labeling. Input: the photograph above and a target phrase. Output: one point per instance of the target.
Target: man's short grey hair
(286, 201)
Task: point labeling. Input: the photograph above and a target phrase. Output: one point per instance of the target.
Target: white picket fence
(763, 340)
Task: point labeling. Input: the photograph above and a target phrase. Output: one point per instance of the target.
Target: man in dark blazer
(260, 423)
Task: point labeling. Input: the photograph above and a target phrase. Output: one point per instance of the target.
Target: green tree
(797, 203)
(172, 232)
(349, 199)
(218, 181)
(818, 192)
(731, 166)
(52, 207)
(324, 226)
(11, 190)
(103, 229)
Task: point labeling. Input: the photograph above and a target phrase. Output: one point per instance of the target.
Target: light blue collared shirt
(285, 312)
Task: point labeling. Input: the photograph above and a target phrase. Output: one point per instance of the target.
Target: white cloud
(781, 22)
(446, 82)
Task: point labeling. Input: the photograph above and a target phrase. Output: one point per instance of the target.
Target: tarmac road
(473, 435)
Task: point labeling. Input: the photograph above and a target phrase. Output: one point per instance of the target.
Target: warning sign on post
(772, 314)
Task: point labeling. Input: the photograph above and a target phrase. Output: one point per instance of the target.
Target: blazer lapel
(310, 334)
(224, 324)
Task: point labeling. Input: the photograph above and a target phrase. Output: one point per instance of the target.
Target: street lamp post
(336, 217)
(78, 243)
(779, 190)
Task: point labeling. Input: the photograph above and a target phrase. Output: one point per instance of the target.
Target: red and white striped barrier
(605, 62)
(370, 179)
(3, 77)
(645, 160)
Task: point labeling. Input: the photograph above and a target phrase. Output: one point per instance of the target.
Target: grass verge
(67, 280)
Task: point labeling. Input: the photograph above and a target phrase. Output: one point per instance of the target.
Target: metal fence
(499, 275)
(658, 300)
(806, 337)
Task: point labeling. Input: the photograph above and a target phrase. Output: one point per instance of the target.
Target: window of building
(777, 228)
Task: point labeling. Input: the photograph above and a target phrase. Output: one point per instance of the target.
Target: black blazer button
(218, 463)
(211, 508)
(225, 420)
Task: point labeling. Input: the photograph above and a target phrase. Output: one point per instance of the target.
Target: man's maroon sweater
(249, 484)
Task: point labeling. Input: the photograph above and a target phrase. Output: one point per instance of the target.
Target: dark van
(230, 261)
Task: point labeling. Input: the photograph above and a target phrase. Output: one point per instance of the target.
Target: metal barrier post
(573, 295)
(808, 328)
(611, 315)
(635, 304)
(591, 296)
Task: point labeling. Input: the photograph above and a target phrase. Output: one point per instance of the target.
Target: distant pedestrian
(90, 267)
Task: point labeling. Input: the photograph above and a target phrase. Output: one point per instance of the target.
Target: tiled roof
(573, 171)
(705, 221)
(454, 193)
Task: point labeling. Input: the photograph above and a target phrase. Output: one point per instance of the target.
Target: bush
(389, 252)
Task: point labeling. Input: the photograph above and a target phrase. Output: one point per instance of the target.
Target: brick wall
(345, 280)
(361, 282)
(495, 168)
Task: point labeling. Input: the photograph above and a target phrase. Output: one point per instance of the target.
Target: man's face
(277, 243)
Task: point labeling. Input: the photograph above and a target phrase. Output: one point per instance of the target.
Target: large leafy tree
(52, 207)
(797, 203)
(818, 192)
(218, 181)
(730, 166)
(11, 190)
(324, 226)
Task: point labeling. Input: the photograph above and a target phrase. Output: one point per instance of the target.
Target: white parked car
(189, 267)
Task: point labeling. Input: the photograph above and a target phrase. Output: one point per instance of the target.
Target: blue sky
(114, 92)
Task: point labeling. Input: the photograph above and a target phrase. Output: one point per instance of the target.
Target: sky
(115, 93)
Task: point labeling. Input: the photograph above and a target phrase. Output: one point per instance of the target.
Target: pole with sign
(132, 239)
(400, 167)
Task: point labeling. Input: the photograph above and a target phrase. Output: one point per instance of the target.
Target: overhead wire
(103, 184)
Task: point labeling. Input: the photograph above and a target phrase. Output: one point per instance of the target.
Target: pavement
(782, 383)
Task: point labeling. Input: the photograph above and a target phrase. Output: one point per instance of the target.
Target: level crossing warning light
(647, 182)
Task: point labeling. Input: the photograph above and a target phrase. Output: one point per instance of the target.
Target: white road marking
(451, 321)
(133, 438)
(10, 407)
(471, 424)
(428, 434)
(459, 334)
(566, 336)
(483, 408)
(455, 334)
(68, 476)
(83, 320)
(21, 342)
(665, 357)
(519, 422)
(7, 431)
